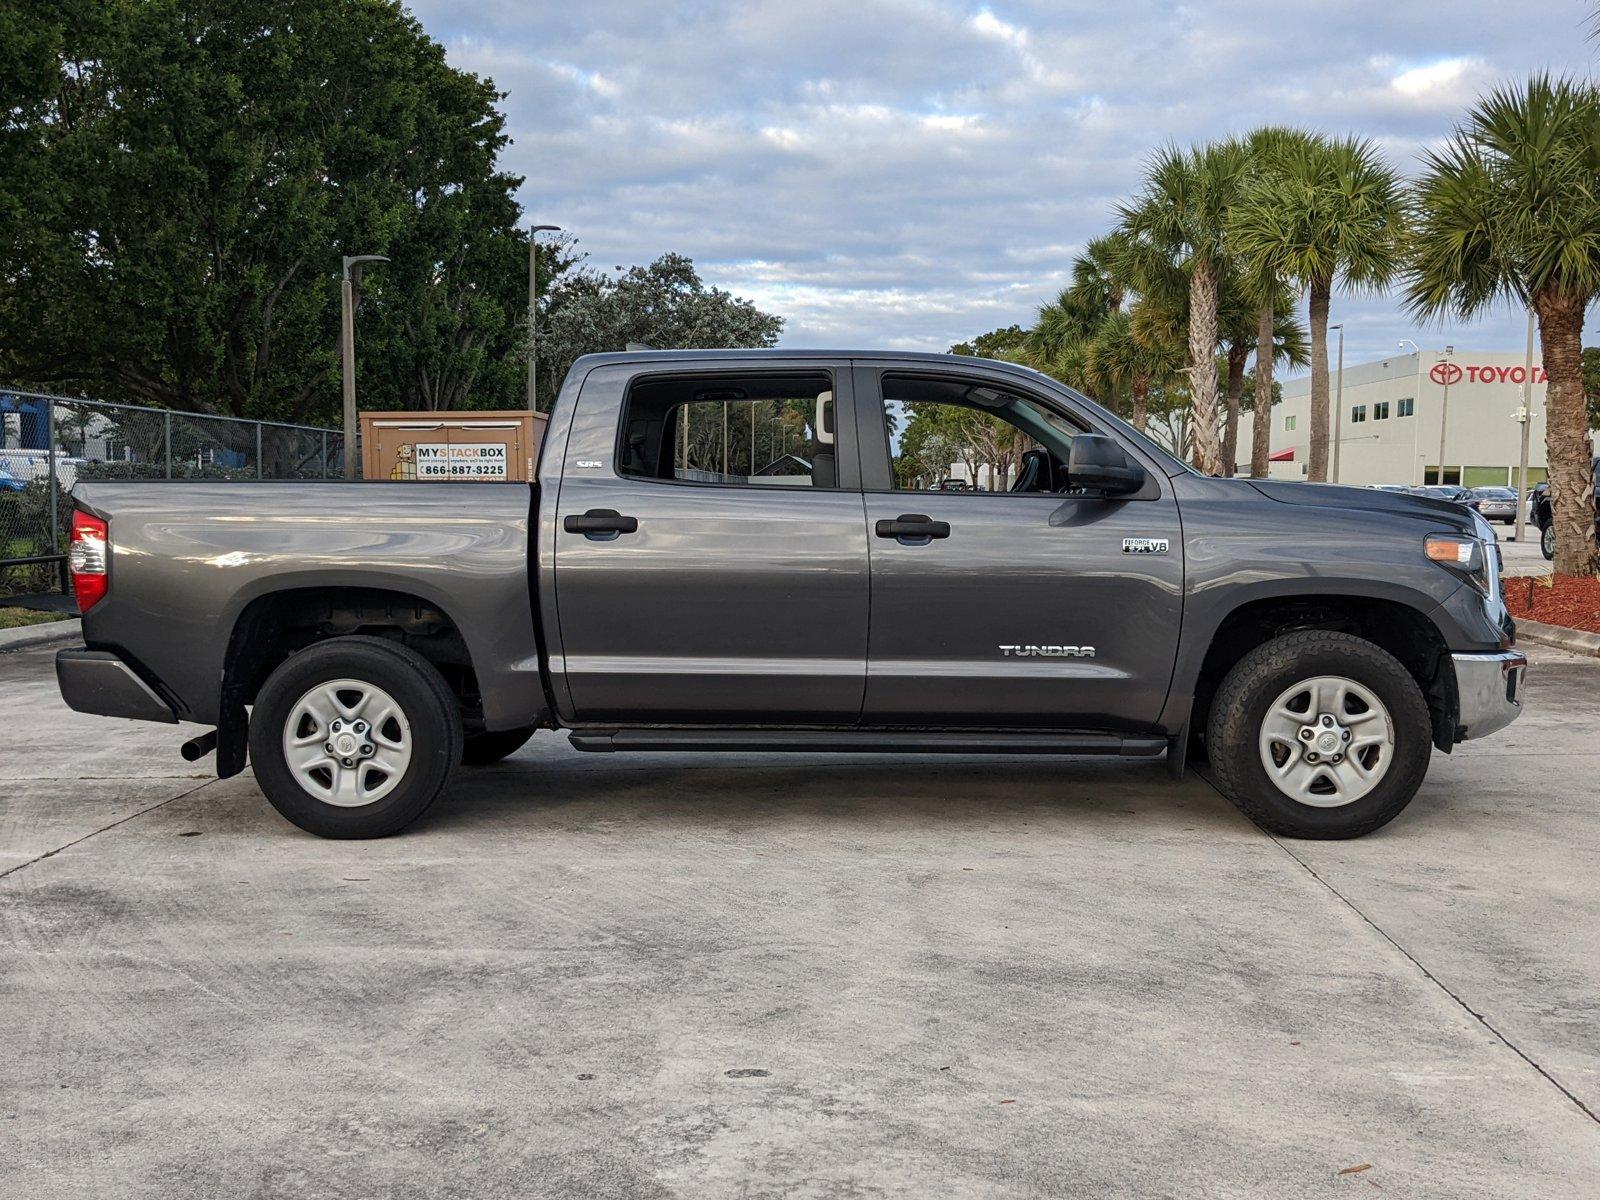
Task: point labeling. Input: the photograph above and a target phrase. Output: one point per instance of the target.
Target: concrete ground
(1521, 557)
(706, 976)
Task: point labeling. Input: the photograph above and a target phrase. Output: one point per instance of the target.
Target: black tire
(1547, 541)
(430, 710)
(490, 746)
(1260, 677)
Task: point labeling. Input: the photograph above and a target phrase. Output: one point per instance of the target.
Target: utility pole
(1526, 417)
(1444, 414)
(347, 346)
(533, 309)
(1338, 403)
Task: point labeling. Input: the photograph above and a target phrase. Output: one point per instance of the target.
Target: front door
(998, 598)
(729, 584)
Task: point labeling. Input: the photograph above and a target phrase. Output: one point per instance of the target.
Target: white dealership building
(1388, 422)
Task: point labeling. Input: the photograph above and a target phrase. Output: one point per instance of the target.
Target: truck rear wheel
(1319, 734)
(354, 737)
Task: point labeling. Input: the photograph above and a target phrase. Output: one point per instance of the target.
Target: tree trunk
(1321, 290)
(1202, 369)
(1230, 430)
(1141, 409)
(1261, 424)
(1566, 438)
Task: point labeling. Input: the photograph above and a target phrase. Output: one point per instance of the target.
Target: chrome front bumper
(1489, 691)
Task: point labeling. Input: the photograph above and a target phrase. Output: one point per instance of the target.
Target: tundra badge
(1144, 545)
(1047, 651)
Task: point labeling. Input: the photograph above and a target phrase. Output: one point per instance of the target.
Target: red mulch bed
(1570, 600)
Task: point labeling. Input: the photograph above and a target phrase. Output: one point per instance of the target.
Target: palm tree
(1327, 212)
(1127, 355)
(1180, 214)
(1267, 149)
(1509, 209)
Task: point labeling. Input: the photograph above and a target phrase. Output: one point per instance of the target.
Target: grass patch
(15, 618)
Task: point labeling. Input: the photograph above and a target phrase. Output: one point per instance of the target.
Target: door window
(950, 435)
(745, 430)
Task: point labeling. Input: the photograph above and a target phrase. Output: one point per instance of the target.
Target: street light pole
(1444, 415)
(533, 300)
(347, 347)
(1526, 418)
(1338, 402)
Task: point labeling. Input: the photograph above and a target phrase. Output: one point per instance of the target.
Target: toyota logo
(1445, 373)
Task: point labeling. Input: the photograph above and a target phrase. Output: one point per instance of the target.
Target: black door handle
(601, 524)
(913, 529)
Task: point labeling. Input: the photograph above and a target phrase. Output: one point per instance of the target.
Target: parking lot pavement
(1521, 557)
(710, 976)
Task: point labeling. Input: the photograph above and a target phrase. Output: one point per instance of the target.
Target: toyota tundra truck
(763, 551)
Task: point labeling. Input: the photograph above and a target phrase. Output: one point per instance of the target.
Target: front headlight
(1467, 556)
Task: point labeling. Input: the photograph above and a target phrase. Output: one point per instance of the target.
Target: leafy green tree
(1180, 215)
(665, 306)
(1003, 344)
(1327, 212)
(1509, 209)
(178, 181)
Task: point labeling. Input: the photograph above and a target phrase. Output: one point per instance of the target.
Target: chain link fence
(48, 443)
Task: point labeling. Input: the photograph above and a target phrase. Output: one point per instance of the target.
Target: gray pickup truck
(801, 551)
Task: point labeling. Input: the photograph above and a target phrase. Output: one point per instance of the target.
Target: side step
(875, 741)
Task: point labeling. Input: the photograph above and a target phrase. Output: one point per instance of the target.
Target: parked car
(361, 640)
(1495, 504)
(1544, 514)
(1448, 492)
(1390, 487)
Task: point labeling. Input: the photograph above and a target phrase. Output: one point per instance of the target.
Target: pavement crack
(104, 828)
(1439, 983)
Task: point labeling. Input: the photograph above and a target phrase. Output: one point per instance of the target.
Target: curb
(1578, 641)
(38, 635)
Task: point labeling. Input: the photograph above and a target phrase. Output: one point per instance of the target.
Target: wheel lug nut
(349, 762)
(327, 747)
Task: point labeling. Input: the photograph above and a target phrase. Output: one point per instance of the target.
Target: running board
(876, 741)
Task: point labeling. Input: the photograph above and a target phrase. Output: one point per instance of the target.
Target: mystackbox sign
(462, 447)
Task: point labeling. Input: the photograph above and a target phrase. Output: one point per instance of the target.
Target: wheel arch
(273, 625)
(1403, 629)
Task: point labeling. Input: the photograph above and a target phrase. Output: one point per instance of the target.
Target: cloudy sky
(909, 173)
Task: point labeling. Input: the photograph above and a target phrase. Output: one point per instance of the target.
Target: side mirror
(1097, 462)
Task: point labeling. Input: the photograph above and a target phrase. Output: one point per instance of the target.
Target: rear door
(710, 547)
(1028, 608)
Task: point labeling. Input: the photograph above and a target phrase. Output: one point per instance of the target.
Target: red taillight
(87, 559)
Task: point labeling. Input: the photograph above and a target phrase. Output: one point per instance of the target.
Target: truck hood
(1332, 495)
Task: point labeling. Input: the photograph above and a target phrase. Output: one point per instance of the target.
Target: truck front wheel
(354, 737)
(1547, 541)
(1318, 734)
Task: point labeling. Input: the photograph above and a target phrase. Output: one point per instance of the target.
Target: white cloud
(1444, 75)
(913, 172)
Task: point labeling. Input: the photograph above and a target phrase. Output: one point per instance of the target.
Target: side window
(1380, 411)
(1288, 424)
(1405, 406)
(1358, 414)
(744, 430)
(966, 436)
